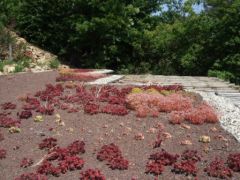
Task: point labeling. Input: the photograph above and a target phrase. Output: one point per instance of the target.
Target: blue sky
(197, 8)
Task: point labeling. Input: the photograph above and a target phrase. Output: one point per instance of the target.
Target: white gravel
(229, 113)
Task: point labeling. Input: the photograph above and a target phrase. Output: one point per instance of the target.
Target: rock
(14, 130)
(129, 129)
(186, 142)
(38, 119)
(206, 149)
(37, 69)
(220, 137)
(70, 130)
(139, 136)
(205, 139)
(167, 135)
(105, 126)
(214, 129)
(185, 126)
(1, 73)
(152, 130)
(63, 67)
(9, 68)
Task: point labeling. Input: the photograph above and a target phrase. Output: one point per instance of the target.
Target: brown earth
(98, 130)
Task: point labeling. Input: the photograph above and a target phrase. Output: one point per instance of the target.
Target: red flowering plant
(196, 115)
(8, 105)
(48, 168)
(72, 110)
(31, 104)
(150, 101)
(50, 92)
(112, 154)
(92, 174)
(3, 153)
(164, 158)
(48, 109)
(153, 102)
(187, 167)
(158, 160)
(115, 110)
(8, 122)
(190, 155)
(218, 169)
(233, 162)
(176, 87)
(48, 143)
(70, 163)
(25, 114)
(202, 113)
(66, 157)
(154, 167)
(26, 162)
(91, 108)
(76, 147)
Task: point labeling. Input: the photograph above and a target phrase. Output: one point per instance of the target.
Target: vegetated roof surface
(70, 131)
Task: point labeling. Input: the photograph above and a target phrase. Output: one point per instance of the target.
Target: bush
(105, 35)
(5, 62)
(54, 64)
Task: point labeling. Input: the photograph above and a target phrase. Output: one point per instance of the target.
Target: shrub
(54, 64)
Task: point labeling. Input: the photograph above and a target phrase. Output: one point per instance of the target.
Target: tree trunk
(10, 53)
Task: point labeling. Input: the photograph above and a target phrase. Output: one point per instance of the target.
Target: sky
(197, 8)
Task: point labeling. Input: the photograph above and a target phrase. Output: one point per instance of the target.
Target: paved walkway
(206, 84)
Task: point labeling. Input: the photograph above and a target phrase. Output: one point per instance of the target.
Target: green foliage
(54, 64)
(88, 33)
(21, 64)
(18, 68)
(128, 37)
(221, 74)
(9, 11)
(3, 63)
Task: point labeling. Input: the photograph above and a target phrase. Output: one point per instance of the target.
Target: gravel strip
(229, 113)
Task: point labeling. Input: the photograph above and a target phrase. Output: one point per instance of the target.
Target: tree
(9, 10)
(89, 33)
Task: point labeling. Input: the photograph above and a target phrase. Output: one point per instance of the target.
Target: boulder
(9, 68)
